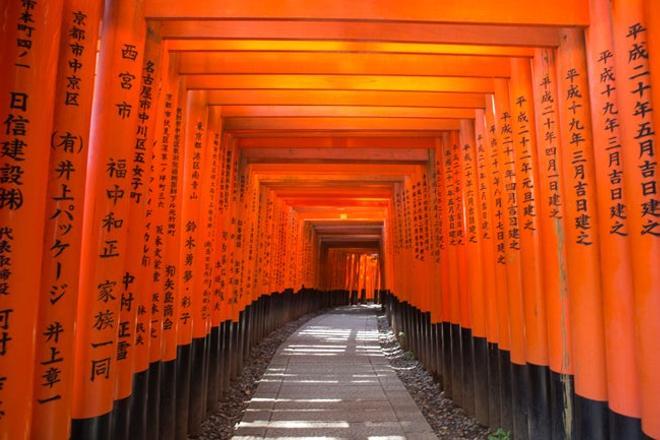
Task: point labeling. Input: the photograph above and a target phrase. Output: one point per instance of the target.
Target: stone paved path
(330, 380)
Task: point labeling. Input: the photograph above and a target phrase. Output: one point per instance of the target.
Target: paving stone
(336, 383)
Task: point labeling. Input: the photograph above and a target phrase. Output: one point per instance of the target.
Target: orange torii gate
(489, 170)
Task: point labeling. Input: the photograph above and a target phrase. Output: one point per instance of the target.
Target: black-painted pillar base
(213, 394)
(494, 419)
(153, 405)
(539, 408)
(506, 391)
(467, 350)
(139, 418)
(446, 360)
(520, 388)
(182, 378)
(591, 417)
(121, 418)
(480, 352)
(562, 397)
(168, 394)
(625, 427)
(196, 399)
(456, 365)
(97, 428)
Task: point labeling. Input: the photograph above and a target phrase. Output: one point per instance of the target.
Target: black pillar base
(121, 418)
(168, 394)
(139, 419)
(520, 388)
(182, 378)
(153, 405)
(97, 428)
(539, 408)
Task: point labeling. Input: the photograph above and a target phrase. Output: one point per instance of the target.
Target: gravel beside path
(220, 425)
(448, 420)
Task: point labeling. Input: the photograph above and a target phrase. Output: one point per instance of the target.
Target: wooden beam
(273, 155)
(345, 97)
(302, 124)
(512, 12)
(339, 63)
(345, 111)
(341, 82)
(401, 32)
(338, 142)
(344, 47)
(286, 133)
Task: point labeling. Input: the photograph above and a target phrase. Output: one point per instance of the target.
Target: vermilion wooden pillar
(582, 240)
(51, 414)
(638, 116)
(618, 295)
(207, 169)
(551, 221)
(193, 147)
(105, 228)
(138, 270)
(496, 196)
(488, 265)
(527, 192)
(29, 47)
(506, 160)
(474, 276)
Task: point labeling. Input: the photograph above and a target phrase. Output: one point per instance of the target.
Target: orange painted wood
(616, 273)
(551, 212)
(341, 82)
(190, 267)
(473, 229)
(107, 193)
(561, 12)
(345, 111)
(364, 31)
(636, 92)
(369, 98)
(498, 202)
(51, 410)
(487, 221)
(507, 171)
(527, 192)
(29, 46)
(582, 243)
(342, 63)
(347, 47)
(163, 295)
(366, 124)
(137, 277)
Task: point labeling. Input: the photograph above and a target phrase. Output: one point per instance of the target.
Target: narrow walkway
(331, 380)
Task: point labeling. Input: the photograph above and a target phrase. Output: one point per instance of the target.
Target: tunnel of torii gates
(179, 178)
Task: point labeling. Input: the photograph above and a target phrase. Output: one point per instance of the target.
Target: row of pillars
(352, 270)
(132, 238)
(527, 254)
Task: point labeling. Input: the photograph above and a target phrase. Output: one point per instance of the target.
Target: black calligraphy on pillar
(470, 197)
(498, 204)
(525, 162)
(609, 122)
(482, 179)
(550, 141)
(576, 130)
(640, 80)
(506, 133)
(26, 27)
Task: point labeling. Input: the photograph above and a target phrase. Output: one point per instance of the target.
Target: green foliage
(500, 434)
